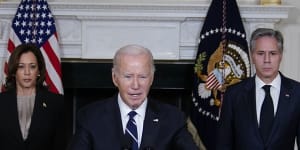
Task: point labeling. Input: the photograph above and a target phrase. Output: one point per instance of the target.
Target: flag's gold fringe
(270, 2)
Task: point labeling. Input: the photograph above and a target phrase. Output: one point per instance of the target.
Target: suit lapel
(40, 106)
(284, 103)
(251, 98)
(115, 120)
(151, 125)
(13, 109)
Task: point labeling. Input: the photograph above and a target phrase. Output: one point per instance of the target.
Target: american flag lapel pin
(287, 95)
(44, 105)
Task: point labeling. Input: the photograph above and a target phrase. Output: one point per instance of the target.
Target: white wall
(291, 31)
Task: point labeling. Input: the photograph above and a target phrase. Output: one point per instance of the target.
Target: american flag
(34, 23)
(214, 80)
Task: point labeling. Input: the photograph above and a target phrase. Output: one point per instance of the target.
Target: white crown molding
(149, 10)
(182, 20)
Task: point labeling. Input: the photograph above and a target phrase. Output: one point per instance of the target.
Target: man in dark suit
(130, 120)
(262, 112)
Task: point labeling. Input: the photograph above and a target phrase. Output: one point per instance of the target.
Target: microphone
(126, 142)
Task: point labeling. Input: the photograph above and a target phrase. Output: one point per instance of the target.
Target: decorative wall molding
(170, 30)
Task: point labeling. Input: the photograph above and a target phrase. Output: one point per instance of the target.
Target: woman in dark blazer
(32, 118)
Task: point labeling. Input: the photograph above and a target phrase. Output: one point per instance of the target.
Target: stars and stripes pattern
(34, 23)
(214, 80)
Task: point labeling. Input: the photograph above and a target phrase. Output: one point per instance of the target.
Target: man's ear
(114, 78)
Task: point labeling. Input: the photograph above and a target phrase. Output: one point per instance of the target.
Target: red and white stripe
(212, 82)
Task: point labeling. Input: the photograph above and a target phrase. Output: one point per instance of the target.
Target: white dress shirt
(260, 94)
(139, 117)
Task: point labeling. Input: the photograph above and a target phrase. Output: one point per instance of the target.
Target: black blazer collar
(151, 125)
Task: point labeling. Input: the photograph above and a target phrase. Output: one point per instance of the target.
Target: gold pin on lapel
(44, 105)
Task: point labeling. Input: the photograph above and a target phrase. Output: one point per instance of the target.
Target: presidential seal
(224, 68)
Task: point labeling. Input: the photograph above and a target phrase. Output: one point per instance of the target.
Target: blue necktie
(266, 114)
(131, 130)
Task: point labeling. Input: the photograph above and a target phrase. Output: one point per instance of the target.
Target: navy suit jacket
(99, 127)
(46, 130)
(239, 127)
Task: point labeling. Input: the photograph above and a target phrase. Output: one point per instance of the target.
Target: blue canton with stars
(33, 22)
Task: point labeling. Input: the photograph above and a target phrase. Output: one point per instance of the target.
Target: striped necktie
(131, 130)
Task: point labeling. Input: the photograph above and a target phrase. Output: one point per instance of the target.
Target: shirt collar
(125, 109)
(275, 83)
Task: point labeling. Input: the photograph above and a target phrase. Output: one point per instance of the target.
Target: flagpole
(34, 25)
(224, 45)
(270, 2)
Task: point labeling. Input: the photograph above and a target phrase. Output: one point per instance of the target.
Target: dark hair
(13, 63)
(263, 32)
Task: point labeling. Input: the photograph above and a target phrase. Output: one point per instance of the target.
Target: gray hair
(133, 50)
(263, 32)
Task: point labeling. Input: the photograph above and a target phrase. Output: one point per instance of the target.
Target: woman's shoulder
(45, 92)
(50, 97)
(8, 93)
